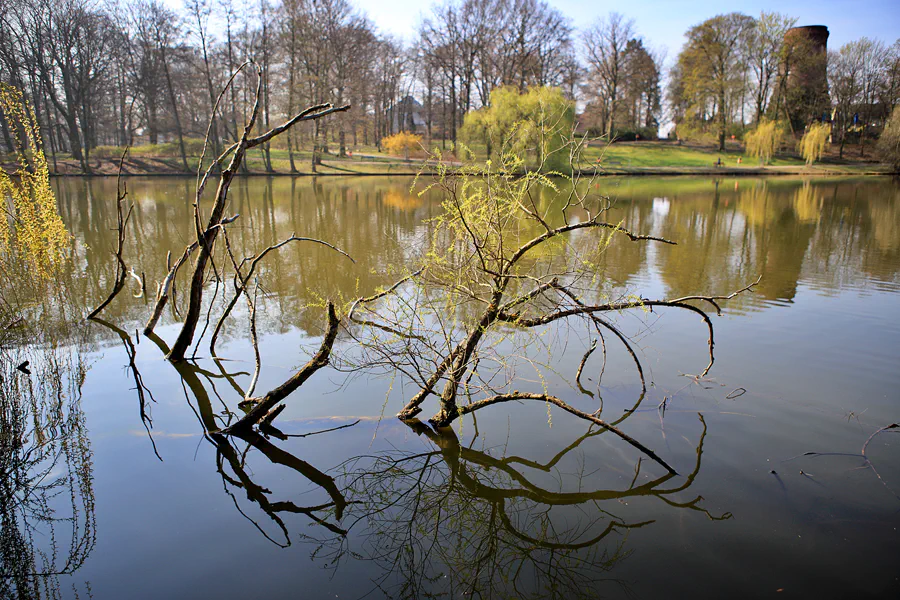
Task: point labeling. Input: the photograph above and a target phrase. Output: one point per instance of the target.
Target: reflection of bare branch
(867, 462)
(226, 451)
(257, 493)
(568, 408)
(140, 387)
(473, 522)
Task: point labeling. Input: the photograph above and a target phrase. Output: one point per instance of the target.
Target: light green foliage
(812, 145)
(889, 143)
(763, 141)
(538, 121)
(486, 206)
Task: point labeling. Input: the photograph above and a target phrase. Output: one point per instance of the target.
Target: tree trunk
(174, 102)
(721, 119)
(290, 107)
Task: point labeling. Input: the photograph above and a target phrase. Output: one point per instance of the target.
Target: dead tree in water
(260, 408)
(217, 220)
(511, 257)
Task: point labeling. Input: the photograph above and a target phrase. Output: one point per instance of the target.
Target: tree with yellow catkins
(32, 234)
(763, 141)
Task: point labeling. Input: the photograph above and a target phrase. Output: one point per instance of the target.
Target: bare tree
(605, 43)
(872, 62)
(845, 83)
(200, 12)
(764, 45)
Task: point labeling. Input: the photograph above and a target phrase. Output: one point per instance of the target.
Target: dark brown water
(773, 496)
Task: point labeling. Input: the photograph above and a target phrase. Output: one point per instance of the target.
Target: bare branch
(121, 223)
(271, 399)
(516, 395)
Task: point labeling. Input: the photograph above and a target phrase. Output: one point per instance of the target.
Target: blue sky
(662, 23)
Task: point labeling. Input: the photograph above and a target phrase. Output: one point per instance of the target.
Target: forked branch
(122, 218)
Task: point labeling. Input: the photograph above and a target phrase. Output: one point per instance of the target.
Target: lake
(782, 488)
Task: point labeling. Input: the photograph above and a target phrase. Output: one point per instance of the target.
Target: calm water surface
(773, 496)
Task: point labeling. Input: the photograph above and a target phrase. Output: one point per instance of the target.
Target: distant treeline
(101, 76)
(735, 70)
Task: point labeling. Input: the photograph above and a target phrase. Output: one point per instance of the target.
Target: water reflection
(232, 462)
(448, 519)
(47, 509)
(830, 234)
(455, 521)
(788, 231)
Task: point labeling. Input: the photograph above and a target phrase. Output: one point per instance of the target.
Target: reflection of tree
(752, 230)
(47, 522)
(232, 462)
(228, 454)
(732, 233)
(351, 213)
(455, 521)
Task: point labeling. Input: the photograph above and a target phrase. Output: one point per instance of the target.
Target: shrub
(402, 143)
(627, 134)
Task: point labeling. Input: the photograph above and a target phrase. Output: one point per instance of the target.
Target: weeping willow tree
(32, 231)
(763, 141)
(537, 122)
(46, 491)
(889, 143)
(34, 243)
(812, 145)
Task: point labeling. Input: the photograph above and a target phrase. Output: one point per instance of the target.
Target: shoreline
(628, 172)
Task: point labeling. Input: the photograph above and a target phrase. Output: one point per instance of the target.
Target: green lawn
(665, 154)
(621, 158)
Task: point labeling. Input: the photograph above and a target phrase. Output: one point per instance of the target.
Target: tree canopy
(539, 120)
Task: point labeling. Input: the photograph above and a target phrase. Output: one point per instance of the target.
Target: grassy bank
(668, 158)
(632, 158)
